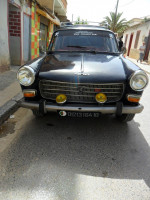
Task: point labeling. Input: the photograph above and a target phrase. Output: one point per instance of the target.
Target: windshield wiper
(103, 52)
(76, 46)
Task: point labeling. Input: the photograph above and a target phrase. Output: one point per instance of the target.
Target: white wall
(4, 46)
(145, 28)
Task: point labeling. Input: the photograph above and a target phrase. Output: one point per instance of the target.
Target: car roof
(83, 27)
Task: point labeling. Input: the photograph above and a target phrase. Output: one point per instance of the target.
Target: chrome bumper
(101, 109)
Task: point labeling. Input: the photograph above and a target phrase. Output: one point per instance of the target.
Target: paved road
(75, 159)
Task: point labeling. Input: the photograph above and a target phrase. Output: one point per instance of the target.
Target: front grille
(80, 92)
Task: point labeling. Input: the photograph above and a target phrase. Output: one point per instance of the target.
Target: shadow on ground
(52, 151)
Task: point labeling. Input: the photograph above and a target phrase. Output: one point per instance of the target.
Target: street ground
(9, 86)
(75, 159)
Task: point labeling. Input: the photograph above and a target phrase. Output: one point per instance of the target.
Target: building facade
(27, 27)
(135, 35)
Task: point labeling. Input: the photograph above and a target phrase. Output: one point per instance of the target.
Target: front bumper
(47, 107)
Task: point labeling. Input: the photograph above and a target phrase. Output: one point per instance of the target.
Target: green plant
(115, 23)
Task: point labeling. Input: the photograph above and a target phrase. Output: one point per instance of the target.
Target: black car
(83, 74)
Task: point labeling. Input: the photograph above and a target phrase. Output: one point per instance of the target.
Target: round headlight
(26, 76)
(139, 80)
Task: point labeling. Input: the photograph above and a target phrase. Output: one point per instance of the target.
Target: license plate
(78, 114)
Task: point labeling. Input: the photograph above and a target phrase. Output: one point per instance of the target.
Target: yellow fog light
(101, 98)
(61, 98)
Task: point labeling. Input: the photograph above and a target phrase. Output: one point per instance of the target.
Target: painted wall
(35, 28)
(4, 47)
(144, 28)
(36, 19)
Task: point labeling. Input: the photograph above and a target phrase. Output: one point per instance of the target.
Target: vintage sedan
(83, 75)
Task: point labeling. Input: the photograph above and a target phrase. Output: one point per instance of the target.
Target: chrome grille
(80, 92)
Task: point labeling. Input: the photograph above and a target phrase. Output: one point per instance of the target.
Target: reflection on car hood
(83, 67)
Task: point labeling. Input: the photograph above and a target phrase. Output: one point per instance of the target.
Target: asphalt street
(56, 158)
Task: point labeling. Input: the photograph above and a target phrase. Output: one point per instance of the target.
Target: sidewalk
(142, 65)
(10, 93)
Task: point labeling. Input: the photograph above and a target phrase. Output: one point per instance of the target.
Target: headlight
(139, 80)
(26, 76)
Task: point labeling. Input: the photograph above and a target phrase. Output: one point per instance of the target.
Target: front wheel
(125, 117)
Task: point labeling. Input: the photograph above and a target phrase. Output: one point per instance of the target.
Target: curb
(138, 65)
(9, 107)
(144, 70)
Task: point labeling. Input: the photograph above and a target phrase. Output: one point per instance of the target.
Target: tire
(125, 117)
(37, 114)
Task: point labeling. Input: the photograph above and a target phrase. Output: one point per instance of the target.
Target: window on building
(126, 39)
(137, 39)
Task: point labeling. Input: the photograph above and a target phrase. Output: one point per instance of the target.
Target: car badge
(81, 89)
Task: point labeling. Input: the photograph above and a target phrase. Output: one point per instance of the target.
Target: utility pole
(53, 7)
(116, 7)
(116, 14)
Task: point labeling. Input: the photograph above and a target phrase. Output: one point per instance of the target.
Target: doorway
(130, 43)
(147, 48)
(14, 35)
(43, 39)
(26, 38)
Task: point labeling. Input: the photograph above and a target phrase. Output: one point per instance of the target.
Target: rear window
(75, 40)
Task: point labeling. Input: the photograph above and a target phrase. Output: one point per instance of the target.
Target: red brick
(17, 24)
(18, 35)
(16, 16)
(12, 34)
(13, 20)
(10, 16)
(11, 23)
(13, 27)
(11, 31)
(17, 31)
(18, 20)
(13, 12)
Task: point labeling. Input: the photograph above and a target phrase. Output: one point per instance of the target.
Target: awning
(43, 13)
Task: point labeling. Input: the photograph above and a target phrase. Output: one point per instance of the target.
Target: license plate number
(78, 114)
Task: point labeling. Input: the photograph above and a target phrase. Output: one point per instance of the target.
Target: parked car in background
(83, 74)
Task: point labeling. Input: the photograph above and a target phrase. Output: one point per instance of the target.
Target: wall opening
(147, 50)
(130, 43)
(14, 35)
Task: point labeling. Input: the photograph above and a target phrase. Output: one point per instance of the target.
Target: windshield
(77, 40)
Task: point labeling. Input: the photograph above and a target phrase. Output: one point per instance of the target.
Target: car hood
(83, 67)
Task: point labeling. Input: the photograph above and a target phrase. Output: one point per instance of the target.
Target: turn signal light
(29, 93)
(101, 98)
(61, 98)
(134, 98)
